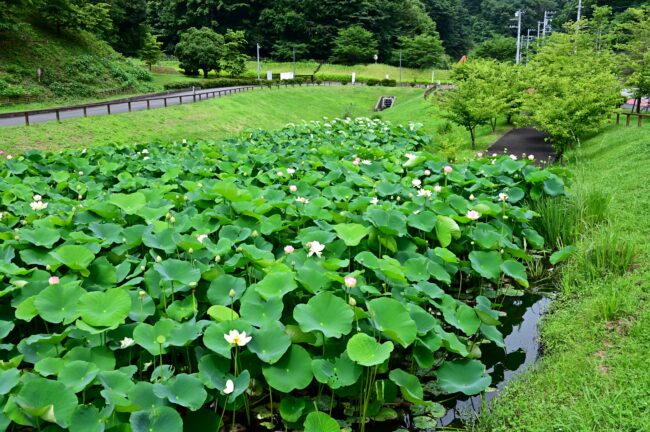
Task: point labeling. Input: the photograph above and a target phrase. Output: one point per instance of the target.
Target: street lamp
(376, 57)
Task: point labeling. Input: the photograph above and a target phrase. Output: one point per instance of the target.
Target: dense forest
(306, 28)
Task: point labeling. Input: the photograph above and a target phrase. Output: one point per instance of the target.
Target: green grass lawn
(327, 70)
(220, 118)
(595, 375)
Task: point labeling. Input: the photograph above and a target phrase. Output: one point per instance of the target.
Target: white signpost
(354, 77)
(269, 75)
(286, 75)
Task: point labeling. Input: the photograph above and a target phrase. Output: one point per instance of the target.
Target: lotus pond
(320, 278)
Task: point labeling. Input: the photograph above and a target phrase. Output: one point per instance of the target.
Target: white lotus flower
(233, 337)
(230, 387)
(503, 197)
(416, 183)
(302, 200)
(424, 193)
(366, 162)
(201, 237)
(437, 188)
(374, 200)
(126, 342)
(315, 248)
(38, 205)
(293, 188)
(37, 197)
(290, 171)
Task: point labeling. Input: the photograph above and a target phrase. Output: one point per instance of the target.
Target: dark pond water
(522, 349)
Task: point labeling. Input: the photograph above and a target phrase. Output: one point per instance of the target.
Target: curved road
(137, 104)
(525, 141)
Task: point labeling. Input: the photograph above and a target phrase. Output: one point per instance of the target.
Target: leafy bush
(354, 45)
(168, 284)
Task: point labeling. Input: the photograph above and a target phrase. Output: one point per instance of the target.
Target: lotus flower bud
(141, 294)
(217, 259)
(352, 301)
(190, 250)
(158, 259)
(231, 293)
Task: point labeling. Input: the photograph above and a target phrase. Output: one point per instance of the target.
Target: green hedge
(228, 82)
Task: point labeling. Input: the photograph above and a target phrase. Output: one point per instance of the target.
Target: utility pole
(539, 25)
(518, 15)
(579, 10)
(259, 69)
(548, 17)
(400, 68)
(294, 61)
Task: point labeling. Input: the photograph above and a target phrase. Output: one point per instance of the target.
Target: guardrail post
(194, 97)
(58, 115)
(108, 106)
(618, 118)
(165, 102)
(26, 118)
(627, 120)
(85, 112)
(148, 104)
(129, 106)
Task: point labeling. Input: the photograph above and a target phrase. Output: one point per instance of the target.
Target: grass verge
(595, 374)
(228, 116)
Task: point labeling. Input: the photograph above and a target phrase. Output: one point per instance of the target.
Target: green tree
(234, 60)
(501, 48)
(200, 49)
(422, 51)
(151, 52)
(633, 36)
(354, 45)
(574, 88)
(130, 29)
(480, 96)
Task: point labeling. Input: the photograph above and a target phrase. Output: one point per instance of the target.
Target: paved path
(137, 104)
(525, 140)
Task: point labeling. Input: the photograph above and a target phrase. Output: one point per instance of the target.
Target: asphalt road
(172, 99)
(525, 141)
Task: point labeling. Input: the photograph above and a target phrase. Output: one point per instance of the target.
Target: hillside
(74, 65)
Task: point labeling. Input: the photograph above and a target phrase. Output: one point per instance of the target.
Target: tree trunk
(205, 73)
(472, 134)
(493, 123)
(638, 105)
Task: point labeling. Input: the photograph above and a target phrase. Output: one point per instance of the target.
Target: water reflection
(522, 348)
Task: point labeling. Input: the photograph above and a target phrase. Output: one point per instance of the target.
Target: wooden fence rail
(628, 118)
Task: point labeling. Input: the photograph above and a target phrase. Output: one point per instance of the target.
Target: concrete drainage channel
(384, 102)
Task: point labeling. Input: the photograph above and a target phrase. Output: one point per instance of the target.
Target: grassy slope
(376, 71)
(220, 118)
(76, 65)
(595, 374)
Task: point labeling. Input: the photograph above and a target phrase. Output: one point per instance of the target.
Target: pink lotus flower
(280, 173)
(288, 249)
(356, 161)
(437, 188)
(293, 188)
(473, 215)
(53, 280)
(350, 281)
(447, 169)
